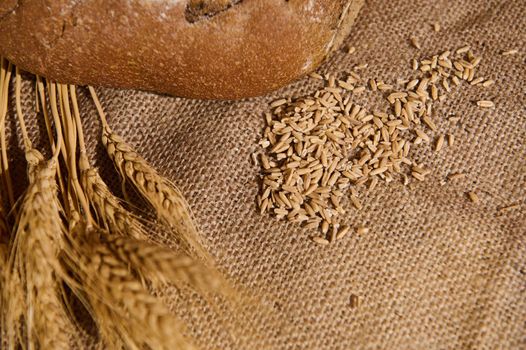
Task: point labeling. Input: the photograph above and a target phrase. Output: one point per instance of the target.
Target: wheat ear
(110, 212)
(126, 313)
(150, 261)
(34, 265)
(34, 291)
(161, 265)
(163, 195)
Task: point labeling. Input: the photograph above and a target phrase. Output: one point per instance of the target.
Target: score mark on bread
(197, 10)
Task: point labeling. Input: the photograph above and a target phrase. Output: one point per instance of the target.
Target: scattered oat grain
(477, 81)
(316, 76)
(358, 90)
(278, 103)
(463, 49)
(473, 197)
(343, 232)
(414, 42)
(354, 301)
(415, 64)
(488, 82)
(320, 240)
(440, 143)
(372, 85)
(451, 140)
(485, 104)
(362, 230)
(418, 176)
(356, 202)
(361, 66)
(510, 52)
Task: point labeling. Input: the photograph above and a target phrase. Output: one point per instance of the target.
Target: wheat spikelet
(163, 196)
(34, 269)
(161, 265)
(167, 200)
(126, 314)
(110, 212)
(151, 262)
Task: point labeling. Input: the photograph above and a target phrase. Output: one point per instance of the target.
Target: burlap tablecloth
(435, 271)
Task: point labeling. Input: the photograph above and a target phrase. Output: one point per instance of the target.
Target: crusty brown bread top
(192, 48)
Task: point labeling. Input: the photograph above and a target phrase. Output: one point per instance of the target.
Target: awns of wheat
(68, 237)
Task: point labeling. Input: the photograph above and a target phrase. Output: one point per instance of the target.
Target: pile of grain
(320, 147)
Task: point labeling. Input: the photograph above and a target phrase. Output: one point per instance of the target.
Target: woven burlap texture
(435, 271)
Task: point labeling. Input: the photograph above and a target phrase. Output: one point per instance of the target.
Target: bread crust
(237, 49)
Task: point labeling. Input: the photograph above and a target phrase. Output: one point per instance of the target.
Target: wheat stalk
(33, 293)
(105, 267)
(173, 211)
(5, 77)
(42, 107)
(163, 195)
(126, 314)
(34, 269)
(5, 181)
(151, 262)
(109, 211)
(69, 151)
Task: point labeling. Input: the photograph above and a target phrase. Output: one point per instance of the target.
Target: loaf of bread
(221, 49)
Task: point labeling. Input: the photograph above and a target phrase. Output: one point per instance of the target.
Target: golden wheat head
(163, 195)
(127, 315)
(162, 265)
(34, 292)
(111, 214)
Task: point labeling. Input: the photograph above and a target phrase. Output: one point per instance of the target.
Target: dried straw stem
(78, 198)
(110, 214)
(163, 195)
(126, 314)
(41, 97)
(5, 77)
(25, 136)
